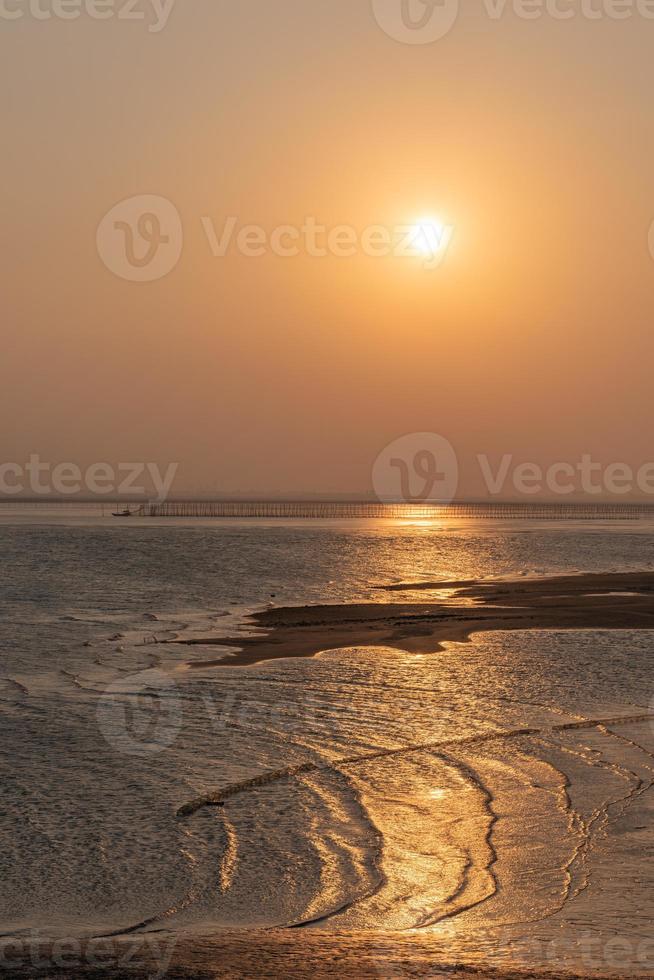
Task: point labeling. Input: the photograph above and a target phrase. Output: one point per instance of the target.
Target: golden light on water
(430, 516)
(437, 794)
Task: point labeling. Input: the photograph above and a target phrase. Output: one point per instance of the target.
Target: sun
(429, 235)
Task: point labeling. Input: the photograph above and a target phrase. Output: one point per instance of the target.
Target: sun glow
(430, 236)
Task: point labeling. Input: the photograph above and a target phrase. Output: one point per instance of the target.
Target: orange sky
(532, 138)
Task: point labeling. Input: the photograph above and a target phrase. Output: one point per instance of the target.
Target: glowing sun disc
(428, 236)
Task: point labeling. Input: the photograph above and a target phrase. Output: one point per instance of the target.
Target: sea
(368, 792)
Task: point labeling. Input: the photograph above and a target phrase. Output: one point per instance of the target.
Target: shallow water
(367, 790)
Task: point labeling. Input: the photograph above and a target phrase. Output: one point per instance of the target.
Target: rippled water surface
(365, 789)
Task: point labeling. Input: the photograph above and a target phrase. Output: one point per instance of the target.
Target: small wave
(16, 684)
(220, 796)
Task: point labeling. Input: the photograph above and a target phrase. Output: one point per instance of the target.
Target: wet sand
(449, 611)
(611, 601)
(275, 954)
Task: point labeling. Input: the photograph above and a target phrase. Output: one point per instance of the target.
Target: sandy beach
(615, 601)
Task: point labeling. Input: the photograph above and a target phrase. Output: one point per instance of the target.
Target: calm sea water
(106, 733)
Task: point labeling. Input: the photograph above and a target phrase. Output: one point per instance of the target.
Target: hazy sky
(533, 139)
